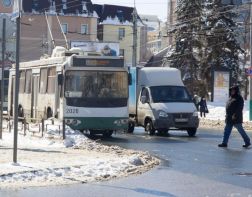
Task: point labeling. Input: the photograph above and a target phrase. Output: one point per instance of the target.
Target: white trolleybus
(88, 92)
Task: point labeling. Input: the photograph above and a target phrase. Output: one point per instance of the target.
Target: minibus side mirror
(130, 79)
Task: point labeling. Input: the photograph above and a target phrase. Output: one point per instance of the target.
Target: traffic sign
(248, 71)
(16, 9)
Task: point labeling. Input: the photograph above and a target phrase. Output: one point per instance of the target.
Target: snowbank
(49, 160)
(216, 116)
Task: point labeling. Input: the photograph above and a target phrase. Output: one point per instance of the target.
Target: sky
(152, 7)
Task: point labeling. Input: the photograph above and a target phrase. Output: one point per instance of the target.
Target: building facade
(116, 25)
(167, 38)
(45, 24)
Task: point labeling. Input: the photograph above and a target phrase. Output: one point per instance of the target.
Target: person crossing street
(234, 117)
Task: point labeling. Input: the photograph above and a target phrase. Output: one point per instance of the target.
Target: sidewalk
(52, 161)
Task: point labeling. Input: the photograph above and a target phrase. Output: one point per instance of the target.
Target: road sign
(17, 5)
(248, 71)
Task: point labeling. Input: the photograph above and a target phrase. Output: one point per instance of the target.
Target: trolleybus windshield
(96, 84)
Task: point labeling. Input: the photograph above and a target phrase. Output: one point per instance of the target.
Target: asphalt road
(190, 167)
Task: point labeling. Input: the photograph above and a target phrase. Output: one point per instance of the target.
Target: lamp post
(250, 79)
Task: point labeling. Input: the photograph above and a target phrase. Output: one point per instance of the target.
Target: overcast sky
(153, 7)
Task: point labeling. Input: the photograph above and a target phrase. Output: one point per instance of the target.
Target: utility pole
(250, 80)
(2, 81)
(16, 84)
(134, 55)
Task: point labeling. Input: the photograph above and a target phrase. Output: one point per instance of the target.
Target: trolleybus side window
(43, 80)
(22, 81)
(28, 77)
(51, 80)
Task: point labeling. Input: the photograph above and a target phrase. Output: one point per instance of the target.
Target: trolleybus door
(35, 89)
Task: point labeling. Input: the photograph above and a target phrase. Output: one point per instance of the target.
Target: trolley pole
(16, 86)
(250, 78)
(2, 81)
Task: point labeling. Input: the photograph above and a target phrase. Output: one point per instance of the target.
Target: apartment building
(45, 24)
(116, 25)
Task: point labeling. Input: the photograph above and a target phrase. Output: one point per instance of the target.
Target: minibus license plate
(181, 119)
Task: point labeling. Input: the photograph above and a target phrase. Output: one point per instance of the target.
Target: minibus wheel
(191, 131)
(163, 131)
(149, 127)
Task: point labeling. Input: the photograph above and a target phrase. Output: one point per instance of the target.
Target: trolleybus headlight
(121, 122)
(73, 122)
(163, 114)
(124, 121)
(68, 121)
(117, 122)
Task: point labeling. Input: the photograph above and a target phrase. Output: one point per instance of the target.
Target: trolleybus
(88, 92)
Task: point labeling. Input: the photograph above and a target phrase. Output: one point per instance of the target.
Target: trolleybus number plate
(72, 111)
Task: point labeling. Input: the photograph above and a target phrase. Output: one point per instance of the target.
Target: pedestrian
(234, 117)
(203, 106)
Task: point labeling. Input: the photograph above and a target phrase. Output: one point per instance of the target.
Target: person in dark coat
(234, 117)
(203, 106)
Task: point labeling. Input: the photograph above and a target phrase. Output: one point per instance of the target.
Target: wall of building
(110, 33)
(36, 40)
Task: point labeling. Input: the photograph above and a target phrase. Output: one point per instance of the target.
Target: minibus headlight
(195, 113)
(163, 114)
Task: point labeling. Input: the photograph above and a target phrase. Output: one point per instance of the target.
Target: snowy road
(190, 167)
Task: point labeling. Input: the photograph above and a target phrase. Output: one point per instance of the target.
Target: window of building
(43, 80)
(84, 29)
(121, 52)
(64, 27)
(51, 80)
(22, 81)
(121, 33)
(28, 78)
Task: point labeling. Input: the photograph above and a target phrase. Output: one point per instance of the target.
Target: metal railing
(26, 125)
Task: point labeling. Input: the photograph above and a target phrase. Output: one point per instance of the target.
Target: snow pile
(217, 111)
(49, 160)
(136, 160)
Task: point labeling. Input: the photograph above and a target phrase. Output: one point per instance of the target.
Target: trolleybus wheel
(107, 133)
(131, 127)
